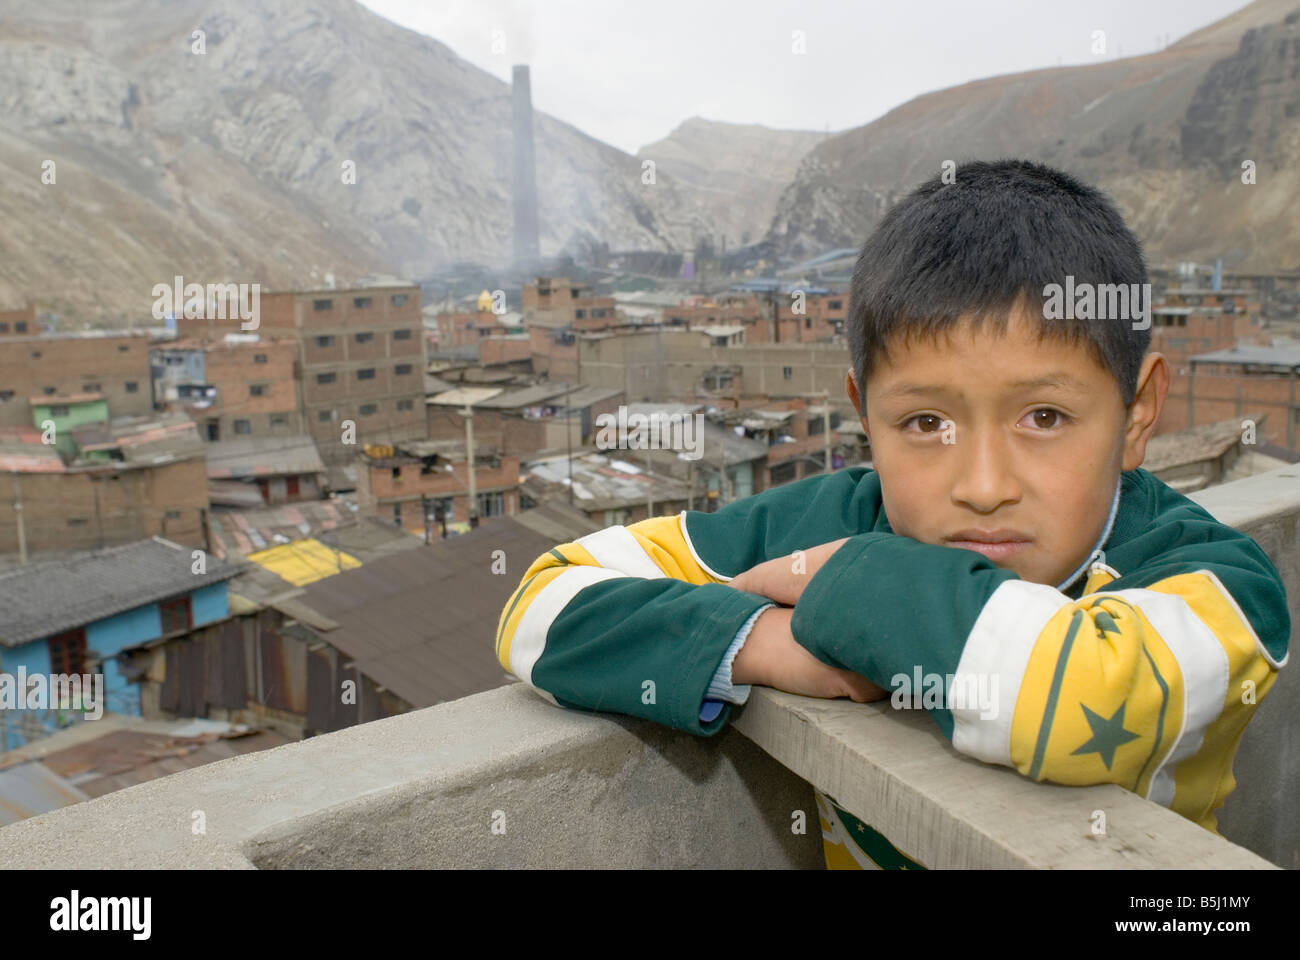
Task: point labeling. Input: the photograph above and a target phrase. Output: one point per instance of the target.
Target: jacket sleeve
(625, 620)
(1147, 683)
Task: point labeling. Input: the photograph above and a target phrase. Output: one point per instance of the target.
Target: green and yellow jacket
(1143, 673)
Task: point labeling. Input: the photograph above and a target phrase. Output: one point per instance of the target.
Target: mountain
(736, 172)
(1165, 134)
(227, 165)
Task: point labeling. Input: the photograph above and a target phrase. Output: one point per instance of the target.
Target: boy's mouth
(998, 545)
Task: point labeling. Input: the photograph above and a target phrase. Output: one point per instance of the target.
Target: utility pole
(469, 456)
(568, 437)
(18, 513)
(826, 425)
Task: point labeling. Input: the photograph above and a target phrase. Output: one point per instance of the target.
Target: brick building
(113, 364)
(409, 480)
(361, 358)
(130, 479)
(242, 385)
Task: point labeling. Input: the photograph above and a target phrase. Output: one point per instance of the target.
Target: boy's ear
(856, 400)
(1144, 412)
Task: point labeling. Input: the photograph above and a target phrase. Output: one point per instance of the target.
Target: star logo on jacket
(1108, 735)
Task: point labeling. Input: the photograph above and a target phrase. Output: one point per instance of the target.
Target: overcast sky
(628, 72)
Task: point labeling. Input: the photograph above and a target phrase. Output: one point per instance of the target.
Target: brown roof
(422, 623)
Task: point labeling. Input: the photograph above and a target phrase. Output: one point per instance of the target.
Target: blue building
(73, 616)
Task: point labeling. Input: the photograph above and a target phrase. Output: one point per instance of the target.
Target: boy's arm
(639, 619)
(625, 620)
(1147, 683)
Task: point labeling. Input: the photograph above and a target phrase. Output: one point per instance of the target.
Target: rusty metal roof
(422, 623)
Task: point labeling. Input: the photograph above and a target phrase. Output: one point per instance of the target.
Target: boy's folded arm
(623, 621)
(1147, 682)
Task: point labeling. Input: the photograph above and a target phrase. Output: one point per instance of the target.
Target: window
(324, 378)
(173, 514)
(366, 373)
(397, 473)
(20, 326)
(76, 521)
(90, 388)
(176, 614)
(36, 354)
(279, 420)
(404, 404)
(49, 391)
(677, 321)
(132, 386)
(259, 358)
(599, 312)
(807, 323)
(402, 369)
(123, 348)
(361, 303)
(835, 304)
(323, 416)
(319, 305)
(257, 389)
(243, 426)
(402, 334)
(397, 514)
(4, 328)
(68, 652)
(59, 410)
(492, 504)
(6, 396)
(398, 299)
(369, 409)
(580, 314)
(364, 337)
(787, 372)
(325, 341)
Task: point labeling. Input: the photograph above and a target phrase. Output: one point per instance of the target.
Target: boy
(1006, 535)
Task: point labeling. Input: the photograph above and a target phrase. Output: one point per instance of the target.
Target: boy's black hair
(997, 235)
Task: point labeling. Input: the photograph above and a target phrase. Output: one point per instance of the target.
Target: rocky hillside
(1165, 134)
(736, 172)
(228, 165)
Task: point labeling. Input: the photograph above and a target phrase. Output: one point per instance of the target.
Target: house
(73, 616)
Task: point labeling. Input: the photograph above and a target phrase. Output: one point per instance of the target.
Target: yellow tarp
(304, 561)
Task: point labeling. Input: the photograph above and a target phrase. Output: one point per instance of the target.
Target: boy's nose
(986, 477)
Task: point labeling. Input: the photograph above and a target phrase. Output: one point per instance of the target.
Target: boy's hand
(783, 579)
(771, 657)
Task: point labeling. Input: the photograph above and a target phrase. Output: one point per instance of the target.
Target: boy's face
(967, 447)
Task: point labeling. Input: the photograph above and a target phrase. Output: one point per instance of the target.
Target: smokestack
(524, 179)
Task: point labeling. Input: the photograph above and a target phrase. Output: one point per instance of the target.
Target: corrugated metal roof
(263, 457)
(527, 397)
(31, 788)
(304, 561)
(1277, 355)
(42, 599)
(423, 623)
(464, 395)
(21, 451)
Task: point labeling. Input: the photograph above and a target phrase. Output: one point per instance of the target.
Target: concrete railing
(504, 779)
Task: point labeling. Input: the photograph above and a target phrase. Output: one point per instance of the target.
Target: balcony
(502, 779)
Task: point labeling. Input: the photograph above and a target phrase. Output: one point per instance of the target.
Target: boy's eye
(1046, 418)
(933, 424)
